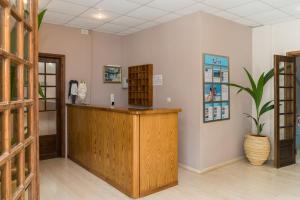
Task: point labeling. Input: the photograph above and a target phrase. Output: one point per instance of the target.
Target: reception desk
(134, 150)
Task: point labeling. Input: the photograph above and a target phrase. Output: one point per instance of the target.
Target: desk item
(73, 90)
(82, 91)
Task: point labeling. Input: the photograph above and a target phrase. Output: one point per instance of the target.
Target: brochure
(208, 112)
(208, 74)
(217, 111)
(217, 90)
(224, 74)
(216, 74)
(225, 92)
(225, 110)
(209, 93)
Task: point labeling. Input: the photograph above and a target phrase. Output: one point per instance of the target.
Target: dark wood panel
(48, 146)
(287, 149)
(140, 85)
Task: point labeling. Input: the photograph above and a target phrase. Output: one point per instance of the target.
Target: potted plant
(256, 145)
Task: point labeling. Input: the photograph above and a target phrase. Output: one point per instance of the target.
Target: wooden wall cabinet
(140, 85)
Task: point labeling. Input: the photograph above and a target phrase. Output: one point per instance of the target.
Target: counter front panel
(134, 151)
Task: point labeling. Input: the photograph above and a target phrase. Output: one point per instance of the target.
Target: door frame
(283, 147)
(61, 117)
(295, 54)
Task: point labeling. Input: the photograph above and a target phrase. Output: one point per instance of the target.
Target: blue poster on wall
(215, 88)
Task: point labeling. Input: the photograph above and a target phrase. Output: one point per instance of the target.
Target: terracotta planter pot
(257, 149)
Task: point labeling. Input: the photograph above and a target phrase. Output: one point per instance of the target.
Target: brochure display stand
(216, 98)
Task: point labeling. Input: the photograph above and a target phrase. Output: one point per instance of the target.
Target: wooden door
(285, 110)
(18, 100)
(52, 106)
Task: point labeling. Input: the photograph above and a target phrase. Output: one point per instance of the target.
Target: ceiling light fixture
(100, 16)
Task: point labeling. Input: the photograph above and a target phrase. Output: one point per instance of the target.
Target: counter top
(133, 111)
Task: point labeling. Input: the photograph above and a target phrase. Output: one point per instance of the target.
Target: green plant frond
(259, 91)
(241, 88)
(268, 76)
(253, 85)
(41, 16)
(41, 92)
(253, 118)
(266, 107)
(260, 128)
(236, 85)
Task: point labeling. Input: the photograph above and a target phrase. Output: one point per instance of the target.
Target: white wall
(268, 41)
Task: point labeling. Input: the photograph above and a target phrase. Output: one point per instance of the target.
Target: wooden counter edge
(128, 110)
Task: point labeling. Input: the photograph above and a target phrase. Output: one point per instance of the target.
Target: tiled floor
(64, 180)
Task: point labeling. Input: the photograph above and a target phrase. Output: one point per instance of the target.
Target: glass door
(18, 105)
(285, 110)
(51, 106)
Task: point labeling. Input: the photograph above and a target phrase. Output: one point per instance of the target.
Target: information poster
(216, 89)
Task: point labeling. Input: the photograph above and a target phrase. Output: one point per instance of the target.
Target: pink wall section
(106, 49)
(176, 50)
(222, 141)
(76, 48)
(85, 57)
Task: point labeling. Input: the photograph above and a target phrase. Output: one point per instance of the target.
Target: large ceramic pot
(257, 149)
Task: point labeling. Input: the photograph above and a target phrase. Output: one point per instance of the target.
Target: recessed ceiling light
(100, 16)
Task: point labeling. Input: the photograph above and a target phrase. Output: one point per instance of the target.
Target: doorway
(51, 105)
(287, 109)
(298, 109)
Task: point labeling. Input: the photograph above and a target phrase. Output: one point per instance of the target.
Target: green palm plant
(256, 92)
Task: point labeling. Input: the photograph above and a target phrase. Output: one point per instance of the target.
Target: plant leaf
(260, 90)
(40, 17)
(253, 85)
(41, 92)
(266, 107)
(268, 76)
(241, 88)
(253, 118)
(260, 128)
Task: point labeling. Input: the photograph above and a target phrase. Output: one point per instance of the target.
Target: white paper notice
(224, 92)
(208, 74)
(209, 112)
(158, 79)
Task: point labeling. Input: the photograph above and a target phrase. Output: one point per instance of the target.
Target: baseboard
(191, 169)
(212, 167)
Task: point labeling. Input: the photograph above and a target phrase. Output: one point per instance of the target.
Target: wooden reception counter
(134, 150)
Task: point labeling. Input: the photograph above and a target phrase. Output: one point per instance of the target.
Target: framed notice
(216, 98)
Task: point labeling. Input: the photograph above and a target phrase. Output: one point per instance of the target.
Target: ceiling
(123, 17)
